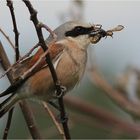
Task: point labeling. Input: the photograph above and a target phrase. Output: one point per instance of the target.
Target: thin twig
(38, 28)
(8, 124)
(28, 53)
(21, 59)
(30, 120)
(49, 30)
(10, 114)
(30, 70)
(102, 115)
(27, 111)
(8, 39)
(54, 120)
(25, 107)
(64, 118)
(10, 5)
(5, 62)
(131, 107)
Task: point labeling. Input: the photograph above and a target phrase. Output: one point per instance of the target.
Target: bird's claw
(62, 93)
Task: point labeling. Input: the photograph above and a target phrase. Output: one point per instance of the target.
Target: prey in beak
(99, 33)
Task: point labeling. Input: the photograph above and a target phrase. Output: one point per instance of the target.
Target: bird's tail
(7, 104)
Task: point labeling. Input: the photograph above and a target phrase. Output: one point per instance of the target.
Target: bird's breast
(71, 67)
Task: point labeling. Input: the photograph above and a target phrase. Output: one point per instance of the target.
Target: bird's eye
(78, 28)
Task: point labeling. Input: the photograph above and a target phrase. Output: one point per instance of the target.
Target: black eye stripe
(79, 30)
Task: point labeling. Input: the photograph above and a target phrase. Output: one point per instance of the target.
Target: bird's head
(82, 33)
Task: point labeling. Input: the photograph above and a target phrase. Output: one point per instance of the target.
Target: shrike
(69, 56)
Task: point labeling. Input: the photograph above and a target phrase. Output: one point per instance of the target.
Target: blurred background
(117, 59)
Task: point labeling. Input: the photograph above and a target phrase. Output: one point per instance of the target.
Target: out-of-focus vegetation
(124, 124)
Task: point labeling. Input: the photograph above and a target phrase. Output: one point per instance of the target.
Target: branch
(30, 119)
(30, 70)
(21, 59)
(25, 107)
(8, 39)
(28, 53)
(10, 114)
(54, 119)
(102, 115)
(8, 124)
(116, 96)
(5, 62)
(38, 27)
(10, 5)
(49, 30)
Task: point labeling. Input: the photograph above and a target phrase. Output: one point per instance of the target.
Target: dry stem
(54, 119)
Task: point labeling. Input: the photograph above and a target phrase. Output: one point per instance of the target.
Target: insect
(116, 29)
(102, 33)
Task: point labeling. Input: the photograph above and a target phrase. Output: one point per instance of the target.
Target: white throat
(82, 41)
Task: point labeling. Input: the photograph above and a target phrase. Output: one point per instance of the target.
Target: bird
(69, 56)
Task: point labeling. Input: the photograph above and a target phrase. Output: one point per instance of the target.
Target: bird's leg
(59, 96)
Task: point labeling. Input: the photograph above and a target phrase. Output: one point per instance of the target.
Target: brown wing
(54, 49)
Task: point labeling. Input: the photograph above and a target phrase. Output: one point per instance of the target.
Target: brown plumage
(69, 56)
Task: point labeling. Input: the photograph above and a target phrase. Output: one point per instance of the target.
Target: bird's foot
(61, 93)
